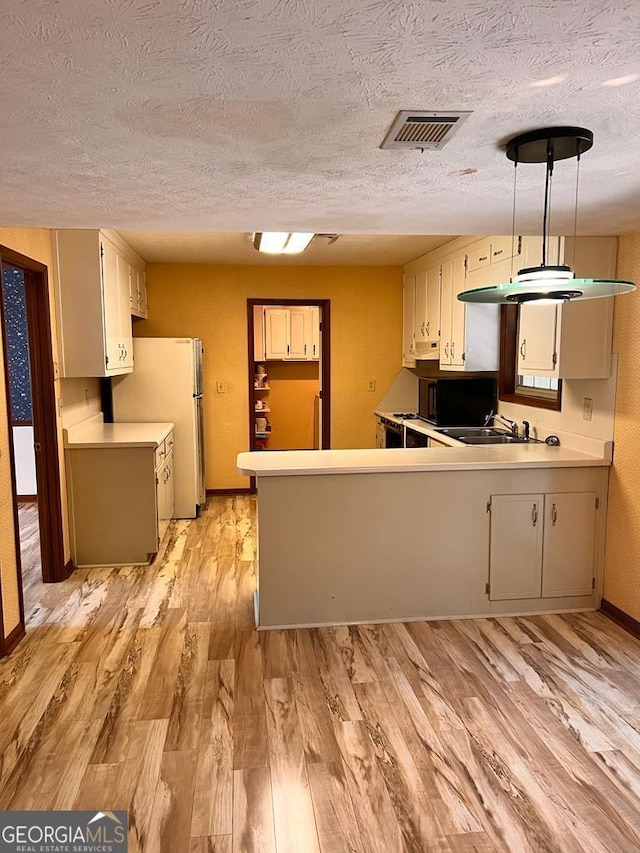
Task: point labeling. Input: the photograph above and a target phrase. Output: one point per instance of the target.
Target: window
(544, 392)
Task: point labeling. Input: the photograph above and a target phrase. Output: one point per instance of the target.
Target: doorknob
(36, 446)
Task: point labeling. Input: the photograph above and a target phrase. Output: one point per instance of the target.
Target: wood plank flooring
(29, 524)
(148, 689)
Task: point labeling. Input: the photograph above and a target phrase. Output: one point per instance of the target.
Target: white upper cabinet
(469, 333)
(427, 313)
(138, 291)
(276, 333)
(314, 311)
(93, 272)
(292, 334)
(408, 321)
(572, 340)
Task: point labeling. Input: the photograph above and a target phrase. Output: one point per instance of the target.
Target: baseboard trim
(12, 640)
(631, 625)
(216, 493)
(27, 499)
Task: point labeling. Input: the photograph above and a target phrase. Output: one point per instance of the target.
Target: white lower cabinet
(121, 501)
(164, 494)
(542, 545)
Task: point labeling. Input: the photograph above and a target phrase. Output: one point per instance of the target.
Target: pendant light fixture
(547, 283)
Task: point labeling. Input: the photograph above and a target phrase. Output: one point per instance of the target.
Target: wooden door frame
(42, 369)
(325, 343)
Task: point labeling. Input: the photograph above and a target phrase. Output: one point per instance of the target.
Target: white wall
(25, 461)
(80, 400)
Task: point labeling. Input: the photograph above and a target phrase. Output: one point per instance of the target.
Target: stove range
(406, 416)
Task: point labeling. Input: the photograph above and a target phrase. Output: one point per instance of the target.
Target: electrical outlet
(371, 385)
(221, 387)
(587, 409)
(86, 396)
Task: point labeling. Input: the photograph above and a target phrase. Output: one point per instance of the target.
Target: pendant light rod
(547, 193)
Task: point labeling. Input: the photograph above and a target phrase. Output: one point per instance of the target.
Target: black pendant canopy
(559, 143)
(547, 283)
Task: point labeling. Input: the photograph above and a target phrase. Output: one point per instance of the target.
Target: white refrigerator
(166, 385)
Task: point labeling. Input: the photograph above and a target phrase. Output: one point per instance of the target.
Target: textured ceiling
(203, 247)
(268, 114)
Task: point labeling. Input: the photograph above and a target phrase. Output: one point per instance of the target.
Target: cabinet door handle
(554, 514)
(287, 349)
(314, 349)
(305, 349)
(534, 514)
(422, 330)
(446, 349)
(428, 324)
(523, 349)
(453, 343)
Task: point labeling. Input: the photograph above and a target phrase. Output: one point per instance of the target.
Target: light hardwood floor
(147, 689)
(32, 585)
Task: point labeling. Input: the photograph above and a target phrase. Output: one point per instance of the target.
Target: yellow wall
(35, 243)
(292, 400)
(211, 302)
(622, 562)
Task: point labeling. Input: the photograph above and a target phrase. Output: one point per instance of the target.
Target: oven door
(392, 435)
(415, 438)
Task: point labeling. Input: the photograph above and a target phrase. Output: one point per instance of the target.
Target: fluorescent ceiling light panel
(282, 242)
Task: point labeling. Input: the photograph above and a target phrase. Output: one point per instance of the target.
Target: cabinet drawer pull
(554, 515)
(498, 252)
(484, 258)
(523, 349)
(534, 514)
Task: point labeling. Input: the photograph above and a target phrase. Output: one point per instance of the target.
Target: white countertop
(456, 457)
(275, 463)
(94, 433)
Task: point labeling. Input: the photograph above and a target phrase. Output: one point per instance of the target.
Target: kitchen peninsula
(348, 536)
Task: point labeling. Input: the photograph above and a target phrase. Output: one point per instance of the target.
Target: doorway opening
(33, 441)
(289, 374)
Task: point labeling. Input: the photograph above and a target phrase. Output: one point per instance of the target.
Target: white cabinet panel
(276, 323)
(315, 332)
(569, 541)
(537, 339)
(515, 561)
(299, 332)
(408, 321)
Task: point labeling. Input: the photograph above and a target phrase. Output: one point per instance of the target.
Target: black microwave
(457, 401)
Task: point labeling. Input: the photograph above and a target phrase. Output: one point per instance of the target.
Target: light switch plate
(371, 385)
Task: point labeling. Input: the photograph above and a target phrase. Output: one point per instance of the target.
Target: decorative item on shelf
(261, 380)
(547, 283)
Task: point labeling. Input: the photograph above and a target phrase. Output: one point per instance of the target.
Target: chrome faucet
(492, 416)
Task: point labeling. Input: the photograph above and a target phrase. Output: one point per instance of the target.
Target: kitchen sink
(485, 435)
(505, 438)
(463, 432)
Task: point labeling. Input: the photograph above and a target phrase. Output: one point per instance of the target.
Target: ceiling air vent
(423, 130)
